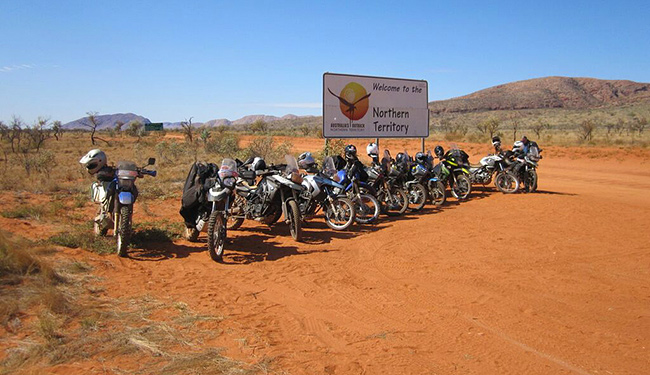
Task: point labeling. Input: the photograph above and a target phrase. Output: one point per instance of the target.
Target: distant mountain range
(539, 93)
(548, 92)
(109, 121)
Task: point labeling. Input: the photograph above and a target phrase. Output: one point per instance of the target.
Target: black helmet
(496, 141)
(524, 140)
(258, 164)
(350, 152)
(439, 151)
(420, 157)
(401, 158)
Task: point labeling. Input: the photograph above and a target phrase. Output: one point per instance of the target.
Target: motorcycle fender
(126, 197)
(215, 195)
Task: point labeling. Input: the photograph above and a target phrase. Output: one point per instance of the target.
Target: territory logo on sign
(374, 107)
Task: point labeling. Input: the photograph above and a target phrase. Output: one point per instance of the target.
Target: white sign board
(374, 107)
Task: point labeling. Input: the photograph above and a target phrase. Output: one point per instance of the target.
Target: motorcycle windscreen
(292, 169)
(329, 168)
(228, 169)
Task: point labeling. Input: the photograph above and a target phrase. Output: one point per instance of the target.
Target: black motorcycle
(453, 170)
(385, 180)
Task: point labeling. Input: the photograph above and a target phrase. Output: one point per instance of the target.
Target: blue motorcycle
(116, 202)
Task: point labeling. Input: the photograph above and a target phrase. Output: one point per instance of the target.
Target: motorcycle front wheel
(417, 195)
(293, 219)
(216, 236)
(462, 187)
(340, 214)
(506, 182)
(437, 193)
(124, 230)
(397, 203)
(367, 208)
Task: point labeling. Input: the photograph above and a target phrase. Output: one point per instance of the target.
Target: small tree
(92, 123)
(259, 126)
(205, 135)
(15, 134)
(188, 130)
(305, 130)
(515, 124)
(489, 126)
(4, 131)
(540, 127)
(39, 133)
(586, 129)
(118, 126)
(57, 130)
(135, 129)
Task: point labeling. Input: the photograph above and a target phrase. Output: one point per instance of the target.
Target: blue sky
(171, 60)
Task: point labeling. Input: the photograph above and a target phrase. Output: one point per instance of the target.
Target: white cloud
(7, 69)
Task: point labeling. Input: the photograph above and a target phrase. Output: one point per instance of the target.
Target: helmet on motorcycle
(306, 161)
(401, 158)
(439, 151)
(372, 149)
(94, 160)
(350, 152)
(258, 164)
(524, 140)
(518, 146)
(496, 141)
(420, 157)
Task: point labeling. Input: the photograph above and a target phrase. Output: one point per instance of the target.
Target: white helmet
(372, 149)
(94, 160)
(518, 146)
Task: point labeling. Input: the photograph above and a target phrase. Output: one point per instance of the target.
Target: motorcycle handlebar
(148, 172)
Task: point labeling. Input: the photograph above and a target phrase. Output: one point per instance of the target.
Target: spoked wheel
(532, 178)
(367, 208)
(437, 193)
(340, 214)
(293, 219)
(417, 196)
(124, 230)
(397, 203)
(462, 187)
(216, 236)
(507, 183)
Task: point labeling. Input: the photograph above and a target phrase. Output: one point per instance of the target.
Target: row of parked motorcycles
(219, 198)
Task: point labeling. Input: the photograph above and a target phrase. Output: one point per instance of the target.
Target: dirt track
(549, 283)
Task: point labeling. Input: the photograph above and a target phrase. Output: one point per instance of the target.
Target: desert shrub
(586, 129)
(266, 148)
(83, 237)
(224, 145)
(41, 162)
(24, 212)
(169, 152)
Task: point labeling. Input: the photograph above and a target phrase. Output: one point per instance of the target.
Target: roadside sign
(374, 107)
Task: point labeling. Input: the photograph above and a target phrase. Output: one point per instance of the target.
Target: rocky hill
(107, 121)
(548, 92)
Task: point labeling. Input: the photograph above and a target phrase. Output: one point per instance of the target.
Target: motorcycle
(528, 169)
(366, 206)
(116, 199)
(276, 194)
(491, 165)
(220, 197)
(453, 171)
(385, 182)
(435, 189)
(320, 194)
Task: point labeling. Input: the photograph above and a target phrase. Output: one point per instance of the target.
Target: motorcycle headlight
(229, 182)
(125, 183)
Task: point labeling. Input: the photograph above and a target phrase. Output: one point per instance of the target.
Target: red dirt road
(555, 282)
